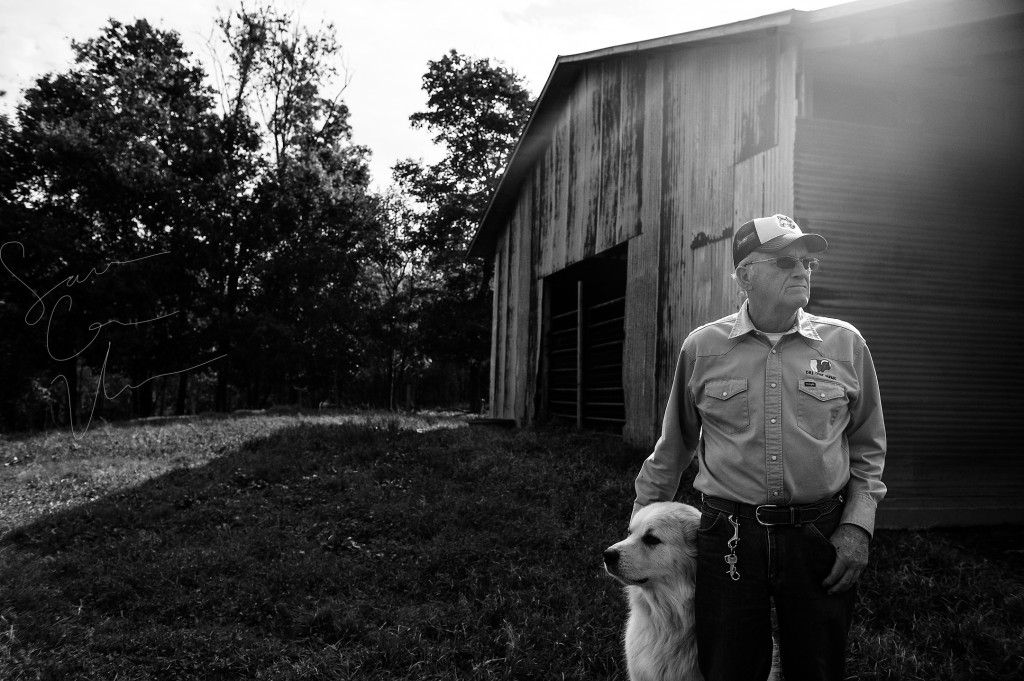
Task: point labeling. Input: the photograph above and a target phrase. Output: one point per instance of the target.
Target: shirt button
(773, 385)
(775, 494)
(822, 395)
(773, 420)
(774, 458)
(725, 394)
(774, 352)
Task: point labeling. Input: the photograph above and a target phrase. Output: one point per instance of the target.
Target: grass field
(378, 547)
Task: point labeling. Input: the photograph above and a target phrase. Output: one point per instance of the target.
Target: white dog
(657, 563)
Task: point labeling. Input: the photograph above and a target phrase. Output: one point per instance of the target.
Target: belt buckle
(757, 515)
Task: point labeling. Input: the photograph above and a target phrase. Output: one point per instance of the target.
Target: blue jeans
(784, 562)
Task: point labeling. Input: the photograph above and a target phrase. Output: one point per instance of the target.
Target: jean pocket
(820, 531)
(725, 404)
(714, 531)
(710, 518)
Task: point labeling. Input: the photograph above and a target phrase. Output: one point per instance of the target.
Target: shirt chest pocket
(725, 404)
(819, 407)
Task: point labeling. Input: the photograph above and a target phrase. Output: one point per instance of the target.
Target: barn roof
(915, 16)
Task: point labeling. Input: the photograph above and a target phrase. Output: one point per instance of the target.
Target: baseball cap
(772, 234)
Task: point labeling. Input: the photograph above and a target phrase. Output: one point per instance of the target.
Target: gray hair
(750, 257)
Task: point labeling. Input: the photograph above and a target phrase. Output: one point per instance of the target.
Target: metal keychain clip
(732, 558)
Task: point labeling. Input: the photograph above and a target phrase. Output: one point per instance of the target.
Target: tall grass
(376, 547)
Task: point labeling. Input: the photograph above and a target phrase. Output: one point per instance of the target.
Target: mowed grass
(370, 546)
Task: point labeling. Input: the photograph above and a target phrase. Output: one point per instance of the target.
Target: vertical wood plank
(609, 132)
(559, 238)
(500, 327)
(671, 265)
(576, 199)
(631, 146)
(495, 372)
(526, 332)
(640, 353)
(590, 185)
(509, 382)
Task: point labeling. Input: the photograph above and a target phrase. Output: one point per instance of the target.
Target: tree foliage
(398, 280)
(251, 221)
(109, 165)
(281, 73)
(172, 246)
(308, 208)
(476, 111)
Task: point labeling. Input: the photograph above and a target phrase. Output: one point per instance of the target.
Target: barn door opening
(585, 329)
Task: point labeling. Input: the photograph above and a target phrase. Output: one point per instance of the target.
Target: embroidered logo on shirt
(821, 366)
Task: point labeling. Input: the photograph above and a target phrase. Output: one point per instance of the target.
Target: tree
(259, 216)
(476, 111)
(281, 70)
(396, 276)
(110, 163)
(292, 295)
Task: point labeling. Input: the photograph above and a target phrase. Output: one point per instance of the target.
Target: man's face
(773, 288)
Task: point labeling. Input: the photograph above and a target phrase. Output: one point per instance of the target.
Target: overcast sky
(386, 43)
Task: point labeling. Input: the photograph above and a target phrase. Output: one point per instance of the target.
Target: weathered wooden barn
(894, 128)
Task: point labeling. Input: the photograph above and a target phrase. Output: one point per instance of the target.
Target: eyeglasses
(788, 262)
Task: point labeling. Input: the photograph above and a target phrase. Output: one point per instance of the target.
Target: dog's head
(661, 546)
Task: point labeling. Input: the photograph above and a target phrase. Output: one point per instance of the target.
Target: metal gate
(585, 331)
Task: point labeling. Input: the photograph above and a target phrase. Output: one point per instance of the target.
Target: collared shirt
(792, 423)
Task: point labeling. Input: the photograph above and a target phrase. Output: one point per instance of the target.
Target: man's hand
(851, 544)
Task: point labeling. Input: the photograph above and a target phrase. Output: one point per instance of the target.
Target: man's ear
(743, 277)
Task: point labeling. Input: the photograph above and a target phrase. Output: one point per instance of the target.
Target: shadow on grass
(365, 550)
(332, 551)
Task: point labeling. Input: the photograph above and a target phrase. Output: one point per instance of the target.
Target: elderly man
(782, 409)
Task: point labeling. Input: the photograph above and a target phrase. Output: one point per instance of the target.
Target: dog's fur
(657, 563)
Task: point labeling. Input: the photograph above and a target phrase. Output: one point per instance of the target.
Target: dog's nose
(611, 557)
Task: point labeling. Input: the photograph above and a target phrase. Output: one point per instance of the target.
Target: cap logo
(786, 222)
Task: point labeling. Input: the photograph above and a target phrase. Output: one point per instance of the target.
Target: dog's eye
(650, 540)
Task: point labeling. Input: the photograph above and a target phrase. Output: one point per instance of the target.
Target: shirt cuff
(860, 511)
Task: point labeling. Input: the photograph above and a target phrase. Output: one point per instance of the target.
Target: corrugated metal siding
(919, 229)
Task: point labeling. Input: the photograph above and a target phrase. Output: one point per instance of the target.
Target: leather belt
(769, 515)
